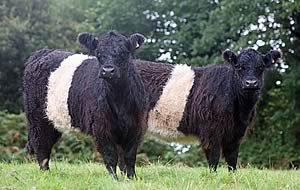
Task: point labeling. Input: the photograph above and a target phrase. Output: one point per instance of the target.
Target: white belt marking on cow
(59, 84)
(165, 117)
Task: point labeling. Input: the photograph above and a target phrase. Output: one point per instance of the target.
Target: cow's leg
(109, 152)
(212, 153)
(121, 155)
(230, 152)
(42, 137)
(130, 152)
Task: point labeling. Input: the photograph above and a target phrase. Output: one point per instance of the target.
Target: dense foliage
(193, 32)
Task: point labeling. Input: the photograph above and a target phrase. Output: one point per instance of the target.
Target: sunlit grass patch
(94, 176)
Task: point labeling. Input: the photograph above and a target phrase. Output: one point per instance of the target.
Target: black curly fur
(219, 109)
(113, 111)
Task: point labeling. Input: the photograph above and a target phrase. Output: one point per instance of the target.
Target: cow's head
(250, 66)
(113, 51)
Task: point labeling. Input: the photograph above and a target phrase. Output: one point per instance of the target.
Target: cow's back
(62, 88)
(36, 73)
(154, 76)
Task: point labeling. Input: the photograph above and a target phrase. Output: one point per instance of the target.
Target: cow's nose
(251, 83)
(108, 69)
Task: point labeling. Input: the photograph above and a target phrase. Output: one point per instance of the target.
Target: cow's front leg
(230, 152)
(130, 159)
(108, 150)
(122, 164)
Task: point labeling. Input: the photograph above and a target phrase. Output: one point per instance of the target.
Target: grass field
(156, 177)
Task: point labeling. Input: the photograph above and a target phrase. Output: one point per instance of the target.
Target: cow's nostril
(255, 83)
(247, 83)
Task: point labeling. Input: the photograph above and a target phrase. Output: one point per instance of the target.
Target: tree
(26, 26)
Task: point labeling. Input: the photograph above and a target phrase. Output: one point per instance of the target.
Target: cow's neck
(246, 101)
(128, 92)
(246, 104)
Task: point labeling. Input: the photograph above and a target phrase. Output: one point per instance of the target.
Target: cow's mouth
(251, 88)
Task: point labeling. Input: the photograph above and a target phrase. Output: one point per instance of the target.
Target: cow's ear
(136, 40)
(89, 41)
(229, 57)
(272, 57)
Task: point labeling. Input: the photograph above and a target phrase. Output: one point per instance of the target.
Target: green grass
(156, 177)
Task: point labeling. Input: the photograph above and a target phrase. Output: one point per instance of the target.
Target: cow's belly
(167, 131)
(180, 139)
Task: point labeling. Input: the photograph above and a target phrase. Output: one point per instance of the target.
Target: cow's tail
(29, 148)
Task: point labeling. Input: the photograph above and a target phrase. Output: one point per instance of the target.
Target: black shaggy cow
(102, 96)
(214, 103)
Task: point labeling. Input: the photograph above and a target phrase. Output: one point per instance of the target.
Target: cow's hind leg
(42, 137)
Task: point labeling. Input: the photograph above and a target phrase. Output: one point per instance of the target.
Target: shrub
(266, 147)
